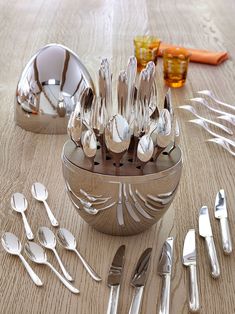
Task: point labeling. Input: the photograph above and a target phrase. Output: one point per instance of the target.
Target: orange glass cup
(146, 49)
(175, 66)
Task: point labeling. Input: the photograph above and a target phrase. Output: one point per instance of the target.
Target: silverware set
(225, 142)
(138, 280)
(132, 125)
(46, 238)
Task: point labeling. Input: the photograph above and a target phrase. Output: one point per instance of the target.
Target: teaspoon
(37, 254)
(68, 241)
(47, 239)
(40, 193)
(20, 204)
(13, 246)
(212, 96)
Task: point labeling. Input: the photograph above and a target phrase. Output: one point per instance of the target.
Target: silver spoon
(230, 119)
(145, 149)
(37, 254)
(13, 246)
(218, 125)
(212, 96)
(68, 241)
(40, 193)
(89, 145)
(20, 204)
(205, 126)
(203, 102)
(47, 239)
(222, 143)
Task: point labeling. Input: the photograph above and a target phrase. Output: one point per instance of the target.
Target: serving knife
(164, 270)
(222, 215)
(206, 232)
(190, 260)
(139, 279)
(114, 279)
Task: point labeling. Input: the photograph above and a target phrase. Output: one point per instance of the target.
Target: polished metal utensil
(206, 127)
(176, 136)
(218, 125)
(229, 118)
(164, 270)
(212, 96)
(145, 149)
(222, 214)
(131, 76)
(222, 143)
(13, 246)
(139, 279)
(40, 193)
(190, 260)
(89, 145)
(37, 254)
(168, 104)
(114, 279)
(20, 204)
(47, 239)
(117, 137)
(68, 241)
(206, 232)
(203, 102)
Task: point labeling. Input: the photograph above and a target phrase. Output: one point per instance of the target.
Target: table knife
(190, 260)
(139, 279)
(164, 270)
(114, 279)
(222, 215)
(206, 232)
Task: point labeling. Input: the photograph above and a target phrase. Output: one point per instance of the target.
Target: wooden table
(95, 29)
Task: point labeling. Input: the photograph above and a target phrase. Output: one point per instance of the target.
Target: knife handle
(215, 269)
(226, 236)
(165, 296)
(113, 299)
(193, 289)
(136, 301)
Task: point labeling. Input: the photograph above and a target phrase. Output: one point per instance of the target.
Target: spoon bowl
(46, 237)
(11, 243)
(36, 253)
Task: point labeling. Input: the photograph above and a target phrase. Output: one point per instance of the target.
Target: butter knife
(222, 215)
(206, 232)
(164, 270)
(114, 279)
(190, 260)
(139, 279)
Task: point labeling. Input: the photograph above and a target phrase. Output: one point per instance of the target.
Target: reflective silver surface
(47, 239)
(212, 96)
(49, 89)
(189, 260)
(145, 148)
(222, 215)
(37, 254)
(204, 222)
(222, 143)
(20, 204)
(12, 245)
(68, 241)
(218, 125)
(40, 193)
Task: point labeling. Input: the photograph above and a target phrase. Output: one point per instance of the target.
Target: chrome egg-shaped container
(49, 88)
(120, 201)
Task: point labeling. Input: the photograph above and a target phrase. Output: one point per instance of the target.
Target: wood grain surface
(95, 29)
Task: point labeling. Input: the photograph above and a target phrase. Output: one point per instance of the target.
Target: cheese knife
(164, 270)
(139, 279)
(190, 260)
(114, 279)
(206, 232)
(222, 215)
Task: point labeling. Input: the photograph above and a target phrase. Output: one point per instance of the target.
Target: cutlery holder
(120, 201)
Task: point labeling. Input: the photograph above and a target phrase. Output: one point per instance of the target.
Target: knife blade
(206, 232)
(114, 279)
(139, 279)
(222, 215)
(164, 270)
(190, 260)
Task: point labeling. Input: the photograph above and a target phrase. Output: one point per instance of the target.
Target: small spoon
(68, 241)
(20, 204)
(40, 193)
(222, 143)
(37, 254)
(230, 119)
(89, 145)
(13, 246)
(212, 96)
(145, 149)
(47, 239)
